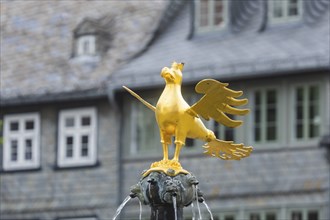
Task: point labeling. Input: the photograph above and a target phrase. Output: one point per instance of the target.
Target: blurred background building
(74, 142)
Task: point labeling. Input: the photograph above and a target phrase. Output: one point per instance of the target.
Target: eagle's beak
(180, 66)
(167, 73)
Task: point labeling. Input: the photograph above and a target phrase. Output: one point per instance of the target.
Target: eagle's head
(174, 74)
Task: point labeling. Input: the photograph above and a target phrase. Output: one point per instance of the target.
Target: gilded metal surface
(176, 118)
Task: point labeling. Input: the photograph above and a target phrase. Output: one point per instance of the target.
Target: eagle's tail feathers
(153, 108)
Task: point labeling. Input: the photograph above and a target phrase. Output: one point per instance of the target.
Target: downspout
(192, 20)
(265, 17)
(119, 121)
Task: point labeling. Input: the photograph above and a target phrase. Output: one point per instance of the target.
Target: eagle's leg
(165, 151)
(165, 140)
(170, 167)
(178, 146)
(180, 138)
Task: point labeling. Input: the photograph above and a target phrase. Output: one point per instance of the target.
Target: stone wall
(51, 192)
(268, 180)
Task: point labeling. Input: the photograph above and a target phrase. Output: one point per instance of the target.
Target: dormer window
(91, 40)
(211, 14)
(284, 10)
(86, 45)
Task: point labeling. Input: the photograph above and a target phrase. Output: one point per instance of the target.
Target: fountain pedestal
(167, 195)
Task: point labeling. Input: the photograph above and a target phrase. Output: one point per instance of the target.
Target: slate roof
(249, 47)
(36, 45)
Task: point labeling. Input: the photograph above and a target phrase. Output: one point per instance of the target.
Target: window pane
(69, 147)
(270, 216)
(255, 216)
(271, 97)
(86, 47)
(271, 133)
(189, 142)
(204, 13)
(293, 11)
(277, 8)
(314, 131)
(229, 134)
(314, 121)
(293, 7)
(257, 98)
(299, 94)
(314, 112)
(229, 217)
(257, 133)
(216, 129)
(299, 130)
(222, 132)
(85, 121)
(69, 122)
(257, 116)
(14, 126)
(271, 115)
(28, 149)
(299, 111)
(218, 12)
(29, 125)
(313, 215)
(296, 215)
(84, 145)
(147, 130)
(13, 147)
(313, 93)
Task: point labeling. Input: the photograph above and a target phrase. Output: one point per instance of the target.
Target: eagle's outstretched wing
(217, 101)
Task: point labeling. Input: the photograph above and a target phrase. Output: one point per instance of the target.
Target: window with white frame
(21, 147)
(303, 214)
(284, 10)
(86, 45)
(262, 215)
(265, 116)
(143, 129)
(225, 216)
(211, 14)
(79, 218)
(307, 117)
(216, 215)
(228, 217)
(77, 137)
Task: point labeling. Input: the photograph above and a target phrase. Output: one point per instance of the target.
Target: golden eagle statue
(176, 118)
